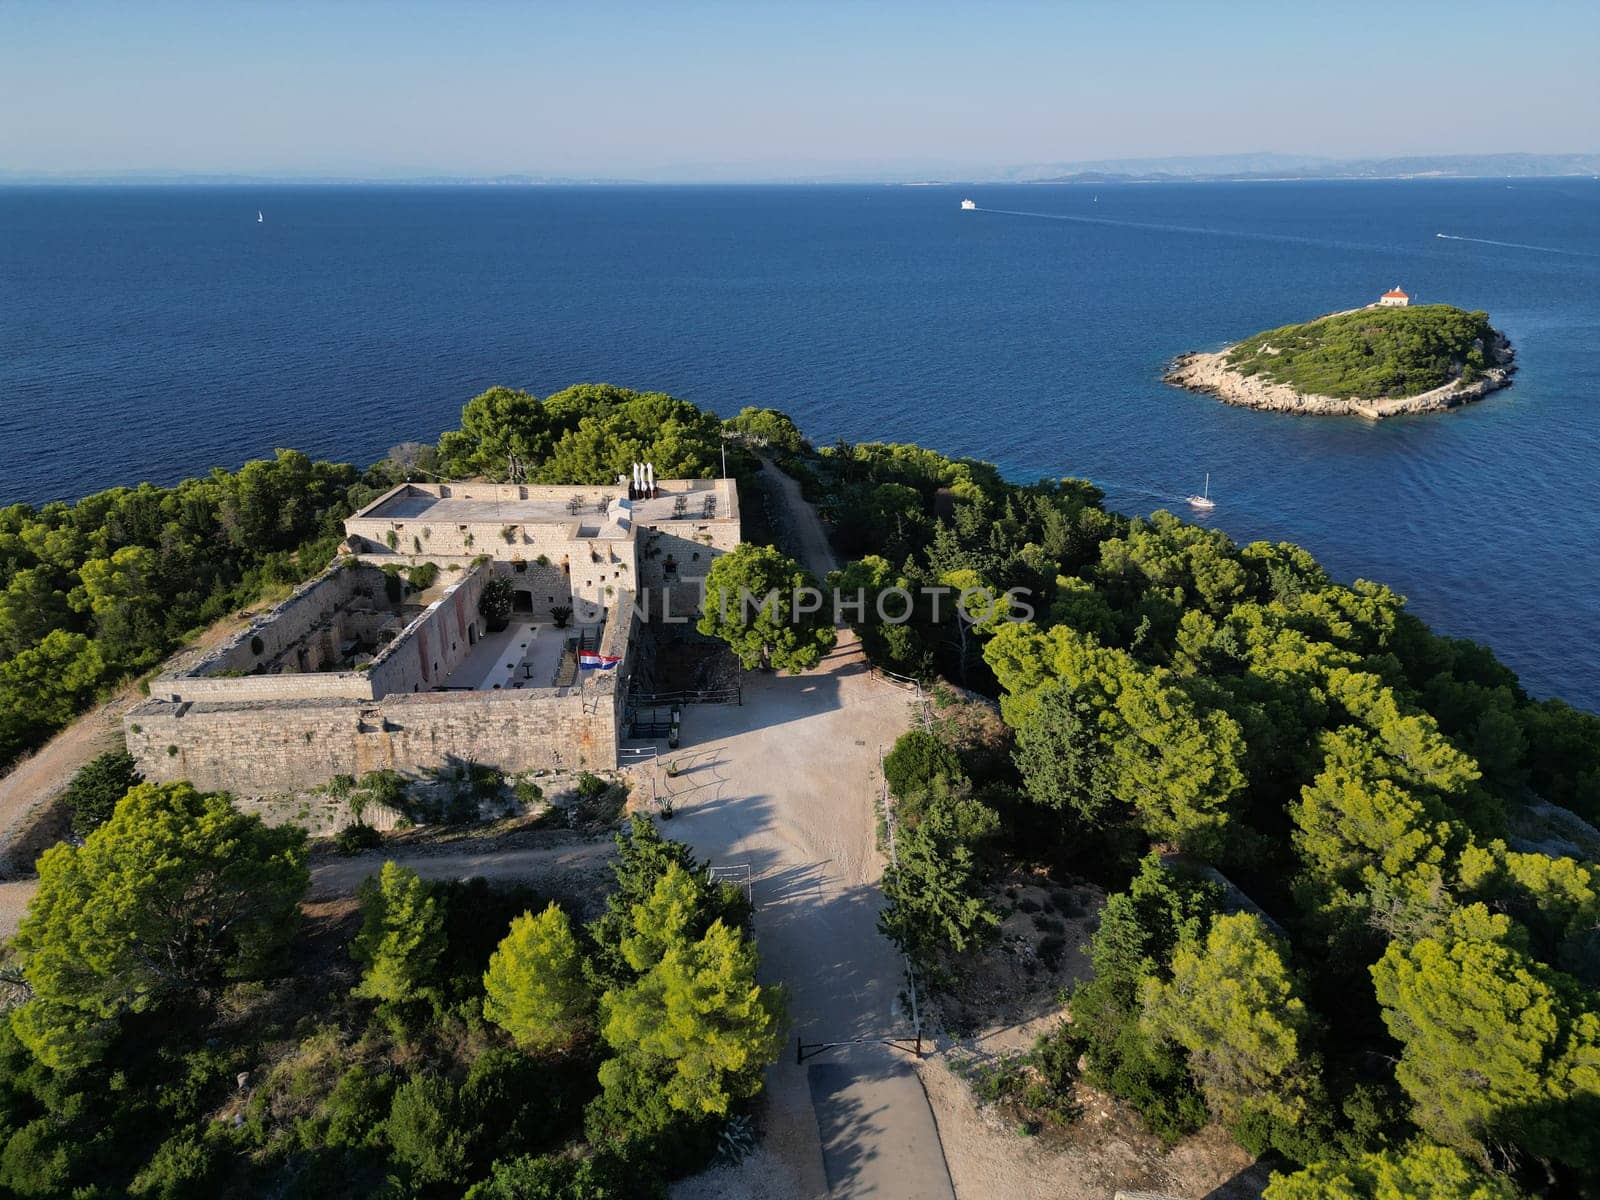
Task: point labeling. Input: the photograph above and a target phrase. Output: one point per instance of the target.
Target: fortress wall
(692, 546)
(260, 747)
(224, 689)
(569, 573)
(314, 618)
(286, 625)
(434, 644)
(284, 745)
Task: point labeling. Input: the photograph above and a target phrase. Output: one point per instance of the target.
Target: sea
(152, 333)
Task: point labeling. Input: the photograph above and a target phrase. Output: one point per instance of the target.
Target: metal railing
(727, 695)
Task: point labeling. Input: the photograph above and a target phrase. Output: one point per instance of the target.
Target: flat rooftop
(513, 504)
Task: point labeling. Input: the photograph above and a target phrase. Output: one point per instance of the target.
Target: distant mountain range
(1287, 166)
(1191, 169)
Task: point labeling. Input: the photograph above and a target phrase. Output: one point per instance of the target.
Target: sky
(685, 90)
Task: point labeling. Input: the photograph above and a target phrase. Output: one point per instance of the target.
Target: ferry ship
(969, 205)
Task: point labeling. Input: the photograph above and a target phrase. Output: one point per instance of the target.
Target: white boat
(1203, 500)
(259, 217)
(969, 205)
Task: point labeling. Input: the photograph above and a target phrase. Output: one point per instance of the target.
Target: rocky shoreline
(1210, 373)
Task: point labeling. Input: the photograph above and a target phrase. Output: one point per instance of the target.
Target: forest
(1372, 353)
(187, 1034)
(1409, 994)
(1399, 984)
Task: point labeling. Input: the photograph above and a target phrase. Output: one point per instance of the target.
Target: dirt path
(29, 791)
(573, 862)
(786, 785)
(803, 532)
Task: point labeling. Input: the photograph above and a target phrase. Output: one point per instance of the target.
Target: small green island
(1384, 360)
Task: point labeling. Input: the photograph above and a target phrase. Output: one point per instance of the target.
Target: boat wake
(1199, 231)
(1453, 237)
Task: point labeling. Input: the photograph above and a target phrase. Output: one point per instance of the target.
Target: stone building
(352, 673)
(572, 547)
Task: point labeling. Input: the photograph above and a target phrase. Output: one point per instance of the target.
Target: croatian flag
(592, 660)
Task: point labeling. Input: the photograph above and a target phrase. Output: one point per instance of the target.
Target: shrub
(353, 839)
(423, 575)
(184, 1167)
(384, 787)
(591, 786)
(355, 1110)
(485, 782)
(96, 788)
(521, 1105)
(35, 1161)
(917, 758)
(425, 1132)
(554, 1177)
(495, 602)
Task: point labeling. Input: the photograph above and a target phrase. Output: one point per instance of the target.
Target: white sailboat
(1203, 500)
(259, 217)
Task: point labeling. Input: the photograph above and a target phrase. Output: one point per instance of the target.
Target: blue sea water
(153, 333)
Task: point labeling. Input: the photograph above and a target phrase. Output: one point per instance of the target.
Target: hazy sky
(763, 90)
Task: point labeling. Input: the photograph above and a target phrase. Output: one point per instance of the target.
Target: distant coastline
(1221, 168)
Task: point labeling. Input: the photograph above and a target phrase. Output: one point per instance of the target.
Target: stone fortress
(352, 674)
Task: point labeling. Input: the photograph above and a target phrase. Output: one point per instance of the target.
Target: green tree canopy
(644, 859)
(43, 686)
(1062, 758)
(535, 988)
(916, 759)
(1497, 1049)
(1419, 1172)
(937, 902)
(95, 789)
(751, 603)
(401, 938)
(173, 895)
(697, 1022)
(1233, 1005)
(1178, 766)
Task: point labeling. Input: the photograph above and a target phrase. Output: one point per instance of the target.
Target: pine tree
(534, 988)
(1231, 1004)
(1498, 1048)
(175, 894)
(401, 938)
(697, 1022)
(751, 602)
(1419, 1172)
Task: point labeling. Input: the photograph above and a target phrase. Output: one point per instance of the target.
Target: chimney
(650, 478)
